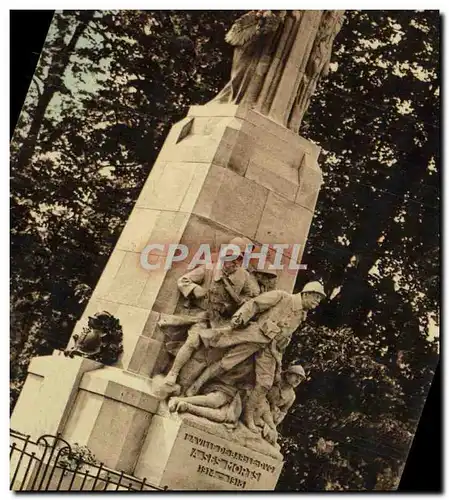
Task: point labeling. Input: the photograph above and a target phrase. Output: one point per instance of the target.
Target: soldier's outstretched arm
(191, 280)
(256, 306)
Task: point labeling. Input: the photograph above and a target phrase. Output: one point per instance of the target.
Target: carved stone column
(223, 171)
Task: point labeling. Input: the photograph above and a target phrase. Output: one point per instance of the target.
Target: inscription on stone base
(198, 460)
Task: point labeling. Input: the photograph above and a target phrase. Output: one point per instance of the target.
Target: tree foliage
(107, 89)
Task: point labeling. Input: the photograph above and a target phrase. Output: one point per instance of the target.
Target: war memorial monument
(175, 373)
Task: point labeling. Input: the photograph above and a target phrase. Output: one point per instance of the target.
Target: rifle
(228, 287)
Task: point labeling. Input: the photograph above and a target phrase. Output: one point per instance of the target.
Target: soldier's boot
(253, 407)
(248, 419)
(270, 434)
(210, 372)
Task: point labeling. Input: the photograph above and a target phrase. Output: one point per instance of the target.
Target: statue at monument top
(279, 58)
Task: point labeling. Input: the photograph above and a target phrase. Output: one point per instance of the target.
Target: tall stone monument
(233, 168)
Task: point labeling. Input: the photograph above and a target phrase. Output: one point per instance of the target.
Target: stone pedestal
(185, 455)
(111, 416)
(49, 393)
(103, 408)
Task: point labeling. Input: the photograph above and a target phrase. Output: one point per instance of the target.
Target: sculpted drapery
(279, 59)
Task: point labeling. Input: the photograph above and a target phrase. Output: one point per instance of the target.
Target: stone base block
(48, 394)
(111, 415)
(187, 454)
(104, 408)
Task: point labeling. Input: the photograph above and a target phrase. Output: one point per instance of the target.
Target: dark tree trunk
(51, 85)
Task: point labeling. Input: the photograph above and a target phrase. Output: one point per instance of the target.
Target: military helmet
(88, 342)
(242, 243)
(314, 286)
(297, 370)
(266, 270)
(99, 319)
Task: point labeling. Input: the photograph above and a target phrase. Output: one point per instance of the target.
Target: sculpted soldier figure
(279, 400)
(266, 278)
(250, 35)
(257, 336)
(263, 277)
(261, 330)
(222, 400)
(282, 396)
(220, 290)
(214, 295)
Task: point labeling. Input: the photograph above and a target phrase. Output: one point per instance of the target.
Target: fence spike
(100, 467)
(27, 470)
(119, 480)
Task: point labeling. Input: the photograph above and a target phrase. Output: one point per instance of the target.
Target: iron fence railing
(51, 464)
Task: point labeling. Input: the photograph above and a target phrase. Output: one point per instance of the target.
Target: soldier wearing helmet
(213, 295)
(264, 277)
(312, 294)
(221, 290)
(259, 333)
(279, 400)
(245, 244)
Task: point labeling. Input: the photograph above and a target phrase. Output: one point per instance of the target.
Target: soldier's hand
(236, 321)
(199, 292)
